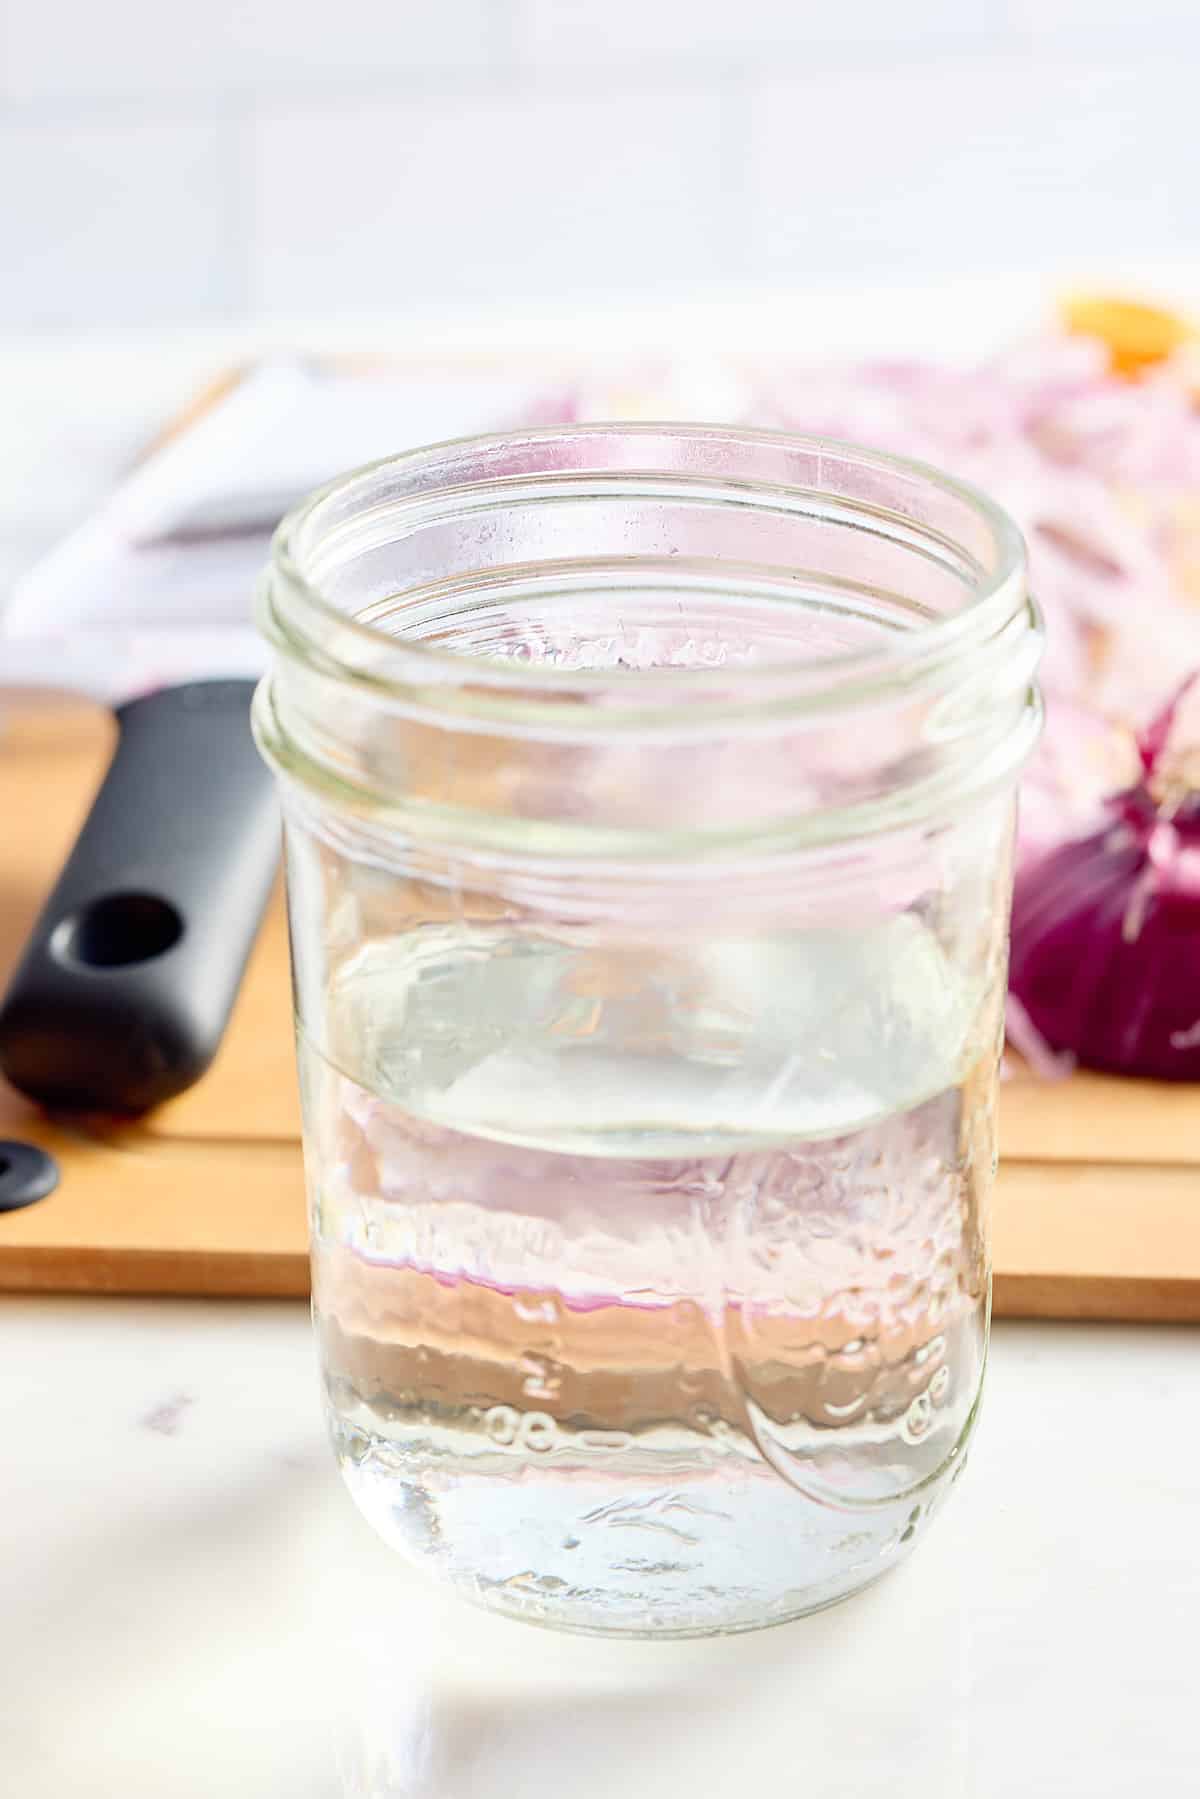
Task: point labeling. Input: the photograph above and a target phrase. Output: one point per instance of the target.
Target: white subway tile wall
(557, 33)
(143, 50)
(969, 167)
(175, 161)
(115, 219)
(1135, 27)
(481, 199)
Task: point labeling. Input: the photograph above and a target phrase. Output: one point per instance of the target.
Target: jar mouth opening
(918, 510)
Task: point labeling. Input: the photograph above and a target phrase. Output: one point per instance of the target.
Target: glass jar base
(656, 1551)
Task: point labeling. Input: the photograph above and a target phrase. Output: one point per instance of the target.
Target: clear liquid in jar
(651, 1304)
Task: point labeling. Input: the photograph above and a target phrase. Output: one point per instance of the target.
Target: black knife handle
(132, 969)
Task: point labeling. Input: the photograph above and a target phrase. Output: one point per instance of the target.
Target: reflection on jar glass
(649, 803)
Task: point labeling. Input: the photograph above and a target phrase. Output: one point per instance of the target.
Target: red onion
(1106, 928)
(1102, 474)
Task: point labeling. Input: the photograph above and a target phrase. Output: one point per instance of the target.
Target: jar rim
(993, 598)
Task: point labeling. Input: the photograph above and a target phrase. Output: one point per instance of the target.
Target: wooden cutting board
(1097, 1212)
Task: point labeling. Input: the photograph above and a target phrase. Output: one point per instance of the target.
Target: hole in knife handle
(118, 930)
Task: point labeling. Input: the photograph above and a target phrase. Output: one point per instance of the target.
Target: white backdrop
(171, 160)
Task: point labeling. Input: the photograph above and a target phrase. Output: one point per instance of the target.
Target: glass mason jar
(649, 798)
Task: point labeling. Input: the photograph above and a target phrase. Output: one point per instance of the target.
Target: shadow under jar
(649, 795)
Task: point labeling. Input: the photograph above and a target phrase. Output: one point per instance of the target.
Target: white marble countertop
(189, 1604)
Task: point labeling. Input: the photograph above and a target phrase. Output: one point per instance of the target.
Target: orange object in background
(1136, 336)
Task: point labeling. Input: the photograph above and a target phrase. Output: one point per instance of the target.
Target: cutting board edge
(155, 1273)
(1117, 1299)
(1057, 1297)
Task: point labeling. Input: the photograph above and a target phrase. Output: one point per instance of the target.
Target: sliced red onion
(1106, 928)
(1103, 476)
